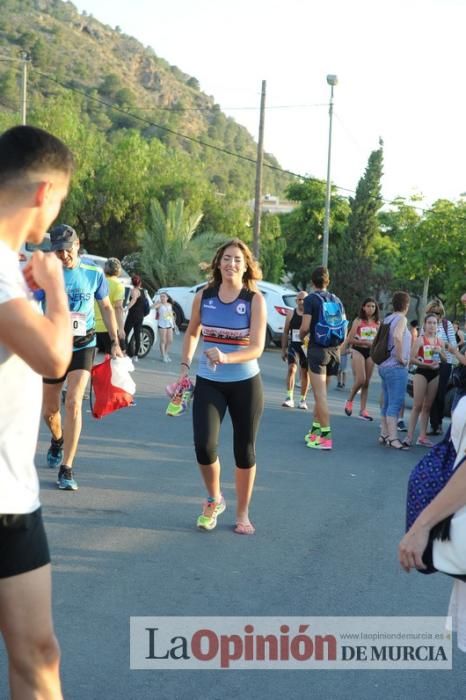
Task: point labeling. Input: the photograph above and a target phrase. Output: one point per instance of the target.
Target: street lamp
(332, 80)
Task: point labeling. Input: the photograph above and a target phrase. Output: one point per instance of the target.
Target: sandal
(244, 529)
(382, 439)
(403, 446)
(424, 442)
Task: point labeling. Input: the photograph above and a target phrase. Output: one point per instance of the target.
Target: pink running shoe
(170, 389)
(349, 408)
(320, 443)
(364, 415)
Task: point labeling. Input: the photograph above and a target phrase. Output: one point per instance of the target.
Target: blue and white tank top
(227, 327)
(83, 284)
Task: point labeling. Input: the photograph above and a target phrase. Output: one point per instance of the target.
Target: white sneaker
(303, 405)
(135, 358)
(288, 403)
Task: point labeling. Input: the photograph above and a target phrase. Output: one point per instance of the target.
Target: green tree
(303, 227)
(433, 251)
(9, 90)
(272, 248)
(170, 254)
(354, 262)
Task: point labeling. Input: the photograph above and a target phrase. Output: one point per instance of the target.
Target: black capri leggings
(245, 402)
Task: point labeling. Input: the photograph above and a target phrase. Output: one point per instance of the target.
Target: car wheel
(179, 316)
(147, 341)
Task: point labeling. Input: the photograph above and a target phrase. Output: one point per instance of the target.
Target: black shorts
(297, 355)
(81, 359)
(23, 543)
(323, 360)
(428, 373)
(365, 352)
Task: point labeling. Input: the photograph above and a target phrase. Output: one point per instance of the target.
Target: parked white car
(279, 300)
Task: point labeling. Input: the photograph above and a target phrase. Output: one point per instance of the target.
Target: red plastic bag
(109, 394)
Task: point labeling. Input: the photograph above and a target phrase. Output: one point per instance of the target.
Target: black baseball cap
(62, 237)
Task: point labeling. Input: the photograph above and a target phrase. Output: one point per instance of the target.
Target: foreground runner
(293, 352)
(231, 316)
(35, 169)
(84, 282)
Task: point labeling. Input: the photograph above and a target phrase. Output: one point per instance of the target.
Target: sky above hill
(399, 66)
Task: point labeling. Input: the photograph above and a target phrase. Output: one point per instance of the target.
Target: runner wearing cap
(84, 282)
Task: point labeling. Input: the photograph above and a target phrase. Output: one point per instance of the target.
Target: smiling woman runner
(230, 315)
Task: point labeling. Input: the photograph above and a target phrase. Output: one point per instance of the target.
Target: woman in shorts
(360, 338)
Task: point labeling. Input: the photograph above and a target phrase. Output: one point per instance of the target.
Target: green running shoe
(208, 519)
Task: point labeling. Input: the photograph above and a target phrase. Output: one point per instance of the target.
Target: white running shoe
(303, 405)
(288, 403)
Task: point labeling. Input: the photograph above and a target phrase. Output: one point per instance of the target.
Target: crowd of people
(81, 309)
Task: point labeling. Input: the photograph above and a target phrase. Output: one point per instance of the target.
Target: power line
(205, 144)
(216, 108)
(172, 131)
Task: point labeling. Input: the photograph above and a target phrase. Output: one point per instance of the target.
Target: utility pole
(332, 80)
(24, 82)
(259, 165)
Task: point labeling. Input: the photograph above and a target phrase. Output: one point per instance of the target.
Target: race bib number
(368, 333)
(78, 323)
(428, 353)
(295, 335)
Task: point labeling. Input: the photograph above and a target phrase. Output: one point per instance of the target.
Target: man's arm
(398, 339)
(44, 342)
(305, 326)
(108, 316)
(285, 334)
(120, 318)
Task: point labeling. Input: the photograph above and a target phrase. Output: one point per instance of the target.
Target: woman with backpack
(393, 370)
(135, 316)
(360, 338)
(426, 353)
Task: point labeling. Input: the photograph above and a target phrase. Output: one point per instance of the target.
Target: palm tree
(170, 252)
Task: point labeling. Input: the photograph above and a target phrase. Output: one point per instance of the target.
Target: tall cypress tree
(352, 271)
(363, 223)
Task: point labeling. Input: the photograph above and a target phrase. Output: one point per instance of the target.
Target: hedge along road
(328, 526)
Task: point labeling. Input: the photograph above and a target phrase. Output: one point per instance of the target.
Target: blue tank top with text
(227, 327)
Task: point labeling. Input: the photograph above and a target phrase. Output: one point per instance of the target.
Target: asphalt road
(328, 526)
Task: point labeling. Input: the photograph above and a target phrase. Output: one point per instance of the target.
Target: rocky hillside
(126, 84)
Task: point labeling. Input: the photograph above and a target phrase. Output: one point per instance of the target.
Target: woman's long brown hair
(252, 272)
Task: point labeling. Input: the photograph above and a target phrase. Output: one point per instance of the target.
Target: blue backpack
(330, 329)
